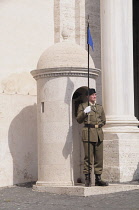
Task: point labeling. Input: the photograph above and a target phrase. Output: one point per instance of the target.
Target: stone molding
(120, 129)
(18, 83)
(80, 190)
(65, 72)
(53, 184)
(122, 125)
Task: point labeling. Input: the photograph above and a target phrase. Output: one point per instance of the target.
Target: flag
(89, 39)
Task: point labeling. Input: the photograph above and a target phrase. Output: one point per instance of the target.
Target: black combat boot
(99, 181)
(87, 180)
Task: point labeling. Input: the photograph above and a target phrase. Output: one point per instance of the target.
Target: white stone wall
(27, 29)
(121, 157)
(18, 125)
(18, 139)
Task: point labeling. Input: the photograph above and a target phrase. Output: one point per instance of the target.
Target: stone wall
(27, 29)
(18, 139)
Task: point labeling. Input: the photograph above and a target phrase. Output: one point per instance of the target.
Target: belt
(89, 125)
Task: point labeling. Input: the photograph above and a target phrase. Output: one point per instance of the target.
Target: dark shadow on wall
(22, 138)
(73, 148)
(136, 174)
(78, 153)
(67, 149)
(136, 55)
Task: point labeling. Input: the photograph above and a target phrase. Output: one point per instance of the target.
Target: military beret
(91, 91)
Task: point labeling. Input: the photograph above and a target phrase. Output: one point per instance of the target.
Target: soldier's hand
(87, 109)
(100, 125)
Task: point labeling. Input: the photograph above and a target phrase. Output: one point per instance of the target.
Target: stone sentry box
(61, 77)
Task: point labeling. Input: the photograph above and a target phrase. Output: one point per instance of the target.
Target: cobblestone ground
(22, 197)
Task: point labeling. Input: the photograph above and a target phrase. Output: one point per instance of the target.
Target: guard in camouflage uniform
(92, 116)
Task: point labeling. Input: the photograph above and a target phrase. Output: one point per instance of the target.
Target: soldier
(93, 117)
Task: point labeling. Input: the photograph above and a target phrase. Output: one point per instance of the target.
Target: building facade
(28, 28)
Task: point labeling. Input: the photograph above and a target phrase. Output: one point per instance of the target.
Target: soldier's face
(92, 98)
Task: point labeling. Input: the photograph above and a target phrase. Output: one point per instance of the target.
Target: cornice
(65, 72)
(122, 126)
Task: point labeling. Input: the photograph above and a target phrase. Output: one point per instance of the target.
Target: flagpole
(88, 57)
(88, 105)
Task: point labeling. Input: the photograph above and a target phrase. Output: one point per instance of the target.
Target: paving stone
(23, 197)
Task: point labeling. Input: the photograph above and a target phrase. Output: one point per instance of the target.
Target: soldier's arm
(103, 117)
(80, 114)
